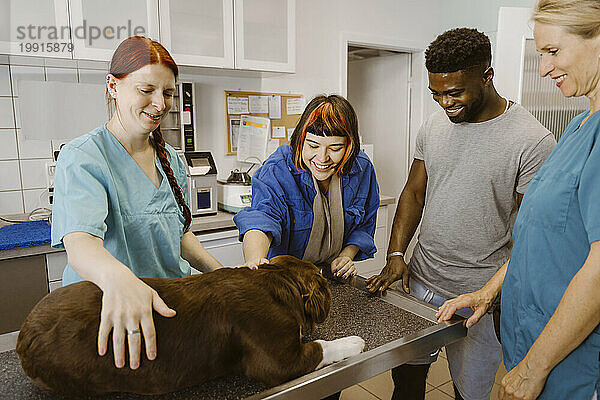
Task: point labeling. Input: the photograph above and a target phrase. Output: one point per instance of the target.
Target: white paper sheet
(295, 105)
(252, 140)
(289, 133)
(202, 170)
(259, 104)
(237, 105)
(278, 132)
(234, 129)
(275, 106)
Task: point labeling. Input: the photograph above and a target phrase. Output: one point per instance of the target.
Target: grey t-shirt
(474, 171)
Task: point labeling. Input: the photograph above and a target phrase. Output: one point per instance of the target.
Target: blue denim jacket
(282, 200)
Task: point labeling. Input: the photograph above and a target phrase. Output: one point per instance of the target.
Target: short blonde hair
(578, 17)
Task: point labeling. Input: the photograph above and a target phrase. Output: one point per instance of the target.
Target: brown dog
(230, 321)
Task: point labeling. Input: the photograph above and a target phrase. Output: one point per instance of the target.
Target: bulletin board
(285, 120)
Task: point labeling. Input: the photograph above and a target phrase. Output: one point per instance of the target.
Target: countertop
(353, 312)
(221, 221)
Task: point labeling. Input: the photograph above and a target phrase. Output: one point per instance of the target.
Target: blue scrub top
(558, 220)
(282, 203)
(101, 190)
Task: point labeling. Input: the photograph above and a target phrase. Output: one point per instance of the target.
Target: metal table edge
(351, 371)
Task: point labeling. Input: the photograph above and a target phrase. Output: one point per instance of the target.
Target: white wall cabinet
(34, 28)
(205, 34)
(198, 33)
(107, 23)
(265, 35)
(235, 34)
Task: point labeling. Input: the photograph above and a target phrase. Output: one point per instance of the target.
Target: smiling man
(473, 161)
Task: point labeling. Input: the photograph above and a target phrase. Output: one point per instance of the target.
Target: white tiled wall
(4, 81)
(22, 162)
(11, 179)
(6, 113)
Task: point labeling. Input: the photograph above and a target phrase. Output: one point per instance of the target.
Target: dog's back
(229, 321)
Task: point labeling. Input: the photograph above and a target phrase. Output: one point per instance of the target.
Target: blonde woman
(550, 305)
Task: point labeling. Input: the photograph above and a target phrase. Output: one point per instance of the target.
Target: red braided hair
(132, 54)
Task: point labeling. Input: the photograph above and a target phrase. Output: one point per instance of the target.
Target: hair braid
(159, 145)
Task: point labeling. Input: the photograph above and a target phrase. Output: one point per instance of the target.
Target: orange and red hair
(327, 116)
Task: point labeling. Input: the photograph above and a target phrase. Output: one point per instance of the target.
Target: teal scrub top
(558, 220)
(101, 190)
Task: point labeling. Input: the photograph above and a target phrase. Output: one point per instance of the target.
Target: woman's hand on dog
(343, 267)
(127, 305)
(253, 264)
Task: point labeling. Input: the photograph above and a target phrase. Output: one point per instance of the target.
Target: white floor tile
(357, 393)
(381, 385)
(447, 388)
(436, 394)
(439, 373)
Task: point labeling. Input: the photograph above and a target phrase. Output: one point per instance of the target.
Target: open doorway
(384, 81)
(378, 87)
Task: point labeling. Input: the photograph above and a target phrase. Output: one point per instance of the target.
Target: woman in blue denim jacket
(317, 198)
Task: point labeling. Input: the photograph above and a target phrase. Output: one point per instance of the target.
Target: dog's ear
(317, 300)
(316, 296)
(285, 261)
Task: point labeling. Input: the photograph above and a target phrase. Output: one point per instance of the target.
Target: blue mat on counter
(24, 234)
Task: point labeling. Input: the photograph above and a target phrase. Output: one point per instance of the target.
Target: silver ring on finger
(133, 332)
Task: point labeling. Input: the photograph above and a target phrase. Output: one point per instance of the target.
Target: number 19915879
(49, 47)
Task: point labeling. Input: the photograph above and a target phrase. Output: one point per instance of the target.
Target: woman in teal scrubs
(119, 202)
(550, 305)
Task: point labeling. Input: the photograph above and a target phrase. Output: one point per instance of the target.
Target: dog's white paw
(353, 345)
(337, 350)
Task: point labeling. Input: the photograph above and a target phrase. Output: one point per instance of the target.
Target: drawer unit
(23, 284)
(373, 266)
(56, 263)
(224, 246)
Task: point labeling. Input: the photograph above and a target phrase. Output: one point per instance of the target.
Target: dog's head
(314, 289)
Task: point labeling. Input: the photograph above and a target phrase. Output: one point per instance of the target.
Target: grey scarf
(327, 233)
